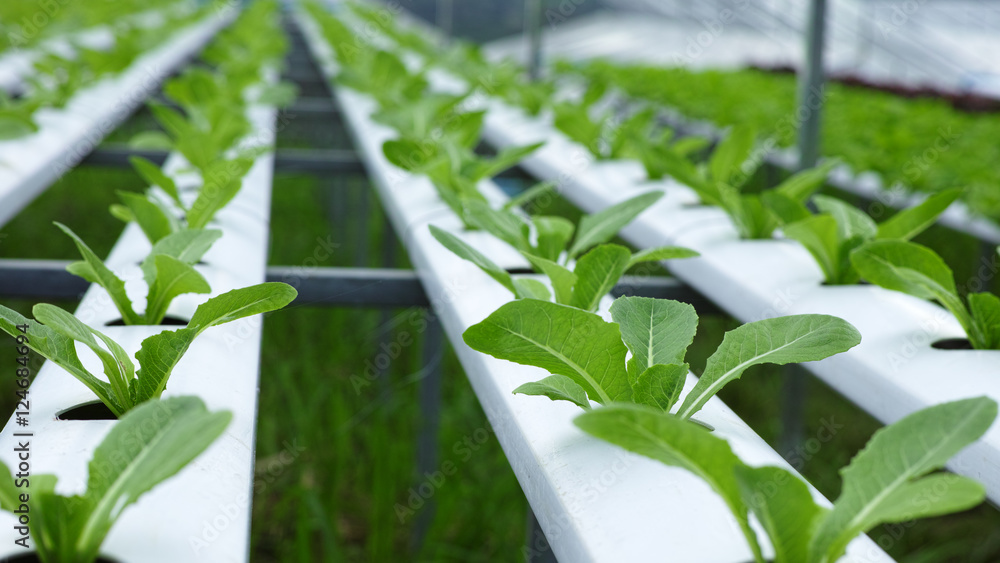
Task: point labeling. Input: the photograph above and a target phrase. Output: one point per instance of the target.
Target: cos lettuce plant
(445, 153)
(589, 360)
(635, 136)
(168, 271)
(893, 479)
(160, 216)
(598, 266)
(208, 128)
(720, 182)
(16, 116)
(917, 270)
(147, 446)
(833, 234)
(606, 137)
(54, 332)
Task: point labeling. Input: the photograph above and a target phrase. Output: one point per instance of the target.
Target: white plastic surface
(594, 502)
(28, 165)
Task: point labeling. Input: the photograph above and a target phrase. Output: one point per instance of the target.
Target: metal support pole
(388, 261)
(536, 546)
(445, 15)
(793, 395)
(533, 33)
(810, 103)
(336, 205)
(361, 244)
(987, 259)
(810, 111)
(430, 408)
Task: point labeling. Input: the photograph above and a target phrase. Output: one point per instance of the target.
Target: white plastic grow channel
(202, 513)
(594, 501)
(28, 165)
(892, 373)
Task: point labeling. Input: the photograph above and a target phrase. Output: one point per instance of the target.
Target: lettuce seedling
(55, 334)
(720, 181)
(56, 79)
(201, 142)
(587, 356)
(158, 217)
(168, 271)
(917, 270)
(445, 153)
(16, 116)
(607, 137)
(664, 153)
(594, 274)
(383, 76)
(147, 446)
(894, 479)
(839, 228)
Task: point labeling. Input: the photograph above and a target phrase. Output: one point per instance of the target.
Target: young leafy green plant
(607, 137)
(893, 479)
(721, 180)
(445, 153)
(126, 387)
(664, 153)
(382, 75)
(917, 270)
(840, 228)
(147, 446)
(586, 355)
(221, 182)
(16, 116)
(168, 271)
(594, 274)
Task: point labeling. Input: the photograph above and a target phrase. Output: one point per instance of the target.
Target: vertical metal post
(536, 548)
(987, 258)
(445, 15)
(533, 34)
(793, 395)
(385, 315)
(336, 204)
(361, 246)
(430, 408)
(810, 111)
(810, 103)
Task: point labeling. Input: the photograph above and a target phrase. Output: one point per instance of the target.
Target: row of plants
(156, 437)
(57, 76)
(23, 24)
(923, 144)
(847, 245)
(633, 366)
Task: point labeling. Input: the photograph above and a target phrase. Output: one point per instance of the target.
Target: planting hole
(167, 321)
(517, 271)
(87, 411)
(953, 344)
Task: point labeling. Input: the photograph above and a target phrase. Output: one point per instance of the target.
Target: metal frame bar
(319, 161)
(381, 288)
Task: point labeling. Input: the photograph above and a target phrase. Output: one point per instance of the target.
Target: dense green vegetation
(56, 77)
(922, 143)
